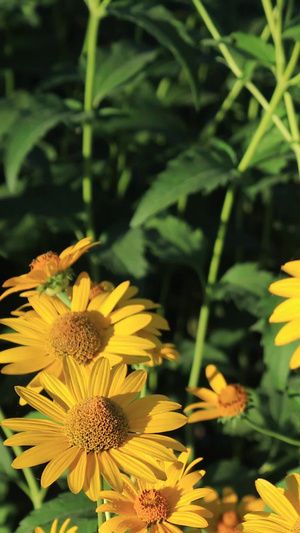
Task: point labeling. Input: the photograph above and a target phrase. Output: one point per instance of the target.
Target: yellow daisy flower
(106, 326)
(284, 503)
(96, 428)
(288, 311)
(162, 351)
(228, 511)
(62, 529)
(157, 507)
(49, 272)
(221, 402)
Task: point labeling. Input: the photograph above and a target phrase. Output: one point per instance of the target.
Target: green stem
(101, 516)
(87, 138)
(293, 123)
(64, 298)
(35, 494)
(271, 433)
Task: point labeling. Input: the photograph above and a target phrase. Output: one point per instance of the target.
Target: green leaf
(67, 505)
(169, 32)
(30, 127)
(277, 358)
(292, 33)
(192, 171)
(5, 462)
(254, 46)
(117, 65)
(124, 253)
(174, 241)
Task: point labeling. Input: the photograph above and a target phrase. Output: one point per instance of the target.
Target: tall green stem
(271, 433)
(34, 493)
(87, 138)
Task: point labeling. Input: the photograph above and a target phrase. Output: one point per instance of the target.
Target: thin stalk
(34, 493)
(293, 123)
(101, 515)
(270, 433)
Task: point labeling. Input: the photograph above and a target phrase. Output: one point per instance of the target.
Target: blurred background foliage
(165, 150)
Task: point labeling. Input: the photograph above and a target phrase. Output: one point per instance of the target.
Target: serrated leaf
(170, 32)
(173, 240)
(118, 65)
(27, 130)
(192, 171)
(124, 253)
(67, 505)
(254, 46)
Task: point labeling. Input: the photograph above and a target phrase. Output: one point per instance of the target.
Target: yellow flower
(160, 352)
(157, 507)
(221, 402)
(63, 528)
(49, 272)
(96, 428)
(288, 311)
(228, 511)
(109, 325)
(284, 503)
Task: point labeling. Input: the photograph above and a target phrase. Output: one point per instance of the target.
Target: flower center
(74, 334)
(227, 522)
(96, 424)
(46, 262)
(296, 526)
(151, 506)
(232, 400)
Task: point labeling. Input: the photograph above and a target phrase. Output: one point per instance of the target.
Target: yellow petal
(292, 268)
(99, 379)
(159, 423)
(30, 424)
(124, 312)
(92, 482)
(27, 365)
(113, 298)
(110, 471)
(81, 292)
(295, 359)
(58, 465)
(207, 395)
(288, 288)
(117, 376)
(57, 390)
(136, 467)
(215, 378)
(187, 518)
(13, 355)
(42, 404)
(43, 305)
(205, 414)
(75, 379)
(76, 474)
(42, 453)
(276, 500)
(286, 311)
(139, 446)
(132, 324)
(288, 333)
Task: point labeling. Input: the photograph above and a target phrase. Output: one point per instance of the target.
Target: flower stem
(271, 433)
(101, 515)
(34, 493)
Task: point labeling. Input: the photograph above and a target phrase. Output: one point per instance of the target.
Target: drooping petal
(58, 465)
(215, 378)
(76, 473)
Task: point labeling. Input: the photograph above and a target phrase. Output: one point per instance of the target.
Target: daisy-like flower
(158, 507)
(288, 311)
(160, 352)
(228, 511)
(49, 272)
(95, 428)
(107, 326)
(62, 529)
(222, 401)
(284, 502)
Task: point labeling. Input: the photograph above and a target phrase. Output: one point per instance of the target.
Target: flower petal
(81, 292)
(76, 474)
(58, 465)
(215, 378)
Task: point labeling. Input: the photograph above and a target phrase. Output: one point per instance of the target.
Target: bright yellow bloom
(110, 325)
(288, 311)
(228, 511)
(160, 506)
(221, 402)
(284, 503)
(96, 428)
(63, 528)
(49, 272)
(162, 351)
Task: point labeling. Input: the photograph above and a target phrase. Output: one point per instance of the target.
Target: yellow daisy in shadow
(95, 428)
(158, 507)
(102, 327)
(162, 351)
(229, 511)
(222, 401)
(63, 529)
(288, 311)
(49, 272)
(284, 503)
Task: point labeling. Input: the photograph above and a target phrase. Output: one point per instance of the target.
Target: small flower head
(284, 502)
(62, 529)
(49, 272)
(95, 427)
(228, 511)
(160, 352)
(288, 311)
(158, 507)
(221, 402)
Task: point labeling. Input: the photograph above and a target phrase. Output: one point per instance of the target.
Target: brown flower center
(151, 506)
(227, 522)
(296, 526)
(48, 261)
(232, 400)
(74, 334)
(96, 424)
